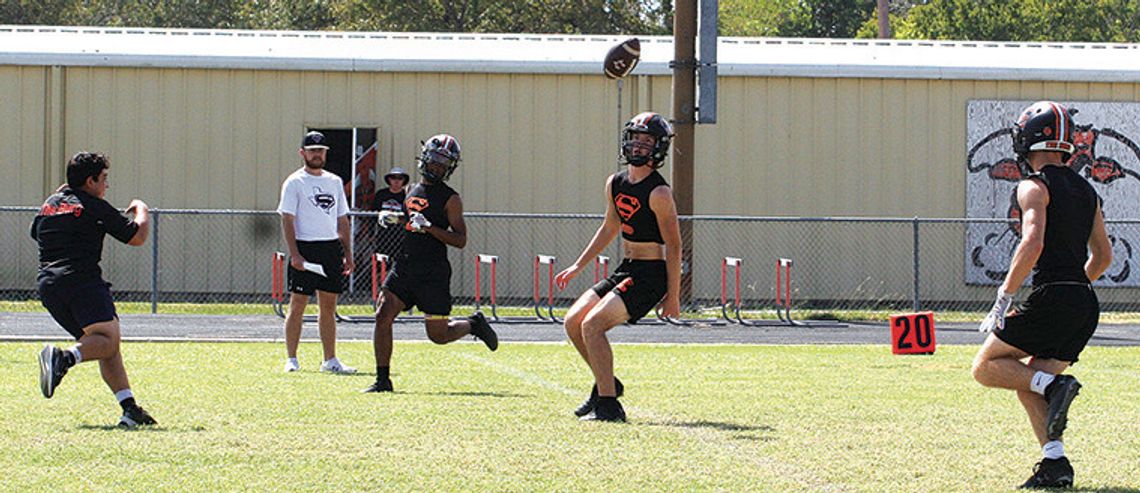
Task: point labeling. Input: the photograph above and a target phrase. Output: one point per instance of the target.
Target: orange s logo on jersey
(416, 204)
(626, 206)
(625, 284)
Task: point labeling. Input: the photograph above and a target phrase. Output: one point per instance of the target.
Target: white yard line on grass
(708, 437)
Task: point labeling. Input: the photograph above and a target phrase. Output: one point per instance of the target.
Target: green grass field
(702, 418)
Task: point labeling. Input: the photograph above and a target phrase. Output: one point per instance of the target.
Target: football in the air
(622, 58)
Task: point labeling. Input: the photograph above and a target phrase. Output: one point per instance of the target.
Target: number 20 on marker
(912, 333)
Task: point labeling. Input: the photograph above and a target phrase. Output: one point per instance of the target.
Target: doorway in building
(352, 155)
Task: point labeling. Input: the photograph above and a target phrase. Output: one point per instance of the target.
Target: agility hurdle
(277, 291)
(549, 261)
(783, 297)
(690, 322)
(482, 259)
(379, 270)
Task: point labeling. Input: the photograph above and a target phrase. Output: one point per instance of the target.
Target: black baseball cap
(314, 140)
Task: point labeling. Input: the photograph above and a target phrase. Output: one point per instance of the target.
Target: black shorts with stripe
(641, 285)
(1055, 322)
(330, 256)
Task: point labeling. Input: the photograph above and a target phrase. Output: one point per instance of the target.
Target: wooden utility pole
(884, 20)
(684, 117)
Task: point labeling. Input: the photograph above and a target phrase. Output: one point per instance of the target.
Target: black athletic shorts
(77, 306)
(1055, 322)
(427, 287)
(641, 285)
(331, 257)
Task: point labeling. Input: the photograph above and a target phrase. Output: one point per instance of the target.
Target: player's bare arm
(1033, 197)
(661, 201)
(142, 219)
(289, 231)
(455, 236)
(605, 235)
(1100, 249)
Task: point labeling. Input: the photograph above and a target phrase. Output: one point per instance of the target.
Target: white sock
(123, 395)
(332, 360)
(75, 352)
(1040, 381)
(1053, 450)
(292, 360)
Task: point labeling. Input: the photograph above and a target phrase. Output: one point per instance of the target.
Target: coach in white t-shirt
(314, 220)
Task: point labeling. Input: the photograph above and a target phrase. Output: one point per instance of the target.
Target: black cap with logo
(314, 140)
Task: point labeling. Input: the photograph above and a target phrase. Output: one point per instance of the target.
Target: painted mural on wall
(1105, 135)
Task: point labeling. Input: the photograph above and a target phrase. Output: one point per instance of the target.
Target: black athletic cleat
(606, 410)
(1059, 394)
(483, 331)
(588, 405)
(136, 416)
(379, 386)
(52, 369)
(1051, 473)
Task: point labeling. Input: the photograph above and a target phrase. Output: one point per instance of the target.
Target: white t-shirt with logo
(316, 202)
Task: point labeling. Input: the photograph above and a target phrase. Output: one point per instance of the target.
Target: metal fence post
(916, 270)
(154, 262)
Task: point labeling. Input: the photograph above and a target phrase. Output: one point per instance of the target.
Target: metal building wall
(225, 138)
(851, 147)
(23, 125)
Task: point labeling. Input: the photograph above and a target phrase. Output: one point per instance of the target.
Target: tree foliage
(1024, 20)
(998, 20)
(537, 16)
(794, 18)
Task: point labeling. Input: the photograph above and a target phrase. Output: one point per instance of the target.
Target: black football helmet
(442, 149)
(647, 123)
(1044, 126)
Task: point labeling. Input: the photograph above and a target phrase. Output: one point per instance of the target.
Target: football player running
(639, 206)
(1061, 313)
(421, 273)
(69, 229)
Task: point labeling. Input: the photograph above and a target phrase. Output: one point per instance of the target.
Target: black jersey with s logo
(631, 200)
(428, 200)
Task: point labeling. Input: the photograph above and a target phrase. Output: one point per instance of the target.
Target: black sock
(607, 400)
(381, 373)
(127, 403)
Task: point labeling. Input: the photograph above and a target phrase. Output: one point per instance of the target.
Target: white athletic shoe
(291, 365)
(335, 366)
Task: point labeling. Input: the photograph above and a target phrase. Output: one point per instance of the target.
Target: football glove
(388, 218)
(418, 223)
(996, 317)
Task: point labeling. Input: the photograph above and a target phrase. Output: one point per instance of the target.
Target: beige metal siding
(532, 143)
(23, 125)
(225, 139)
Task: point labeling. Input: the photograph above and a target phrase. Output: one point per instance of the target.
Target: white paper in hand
(314, 268)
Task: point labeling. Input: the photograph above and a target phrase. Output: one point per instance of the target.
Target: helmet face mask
(648, 123)
(442, 150)
(1043, 126)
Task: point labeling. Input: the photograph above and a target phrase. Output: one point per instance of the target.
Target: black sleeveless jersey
(428, 200)
(1069, 220)
(631, 200)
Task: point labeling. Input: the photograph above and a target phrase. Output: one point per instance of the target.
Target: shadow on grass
(740, 431)
(1106, 489)
(145, 429)
(469, 394)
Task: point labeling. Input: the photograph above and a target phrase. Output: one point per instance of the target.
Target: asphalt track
(163, 327)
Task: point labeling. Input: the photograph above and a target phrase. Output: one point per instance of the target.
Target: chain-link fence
(838, 263)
